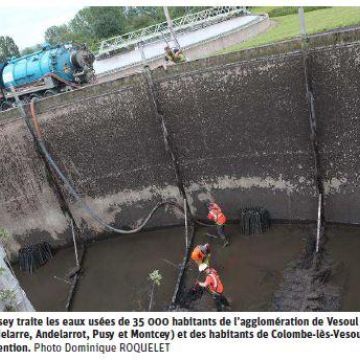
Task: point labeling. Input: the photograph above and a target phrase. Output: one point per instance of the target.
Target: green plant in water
(4, 234)
(155, 277)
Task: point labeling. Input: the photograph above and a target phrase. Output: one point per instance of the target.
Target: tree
(96, 23)
(58, 34)
(93, 24)
(8, 48)
(143, 16)
(31, 49)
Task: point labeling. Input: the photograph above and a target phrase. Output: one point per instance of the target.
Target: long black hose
(39, 141)
(180, 279)
(36, 134)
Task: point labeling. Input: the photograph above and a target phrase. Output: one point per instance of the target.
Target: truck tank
(72, 63)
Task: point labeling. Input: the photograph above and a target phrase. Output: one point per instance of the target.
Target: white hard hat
(203, 267)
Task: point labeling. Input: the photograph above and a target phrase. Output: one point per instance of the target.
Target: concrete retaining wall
(239, 125)
(336, 81)
(29, 208)
(242, 135)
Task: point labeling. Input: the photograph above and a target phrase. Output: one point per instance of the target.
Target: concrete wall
(109, 144)
(242, 135)
(29, 208)
(239, 126)
(337, 83)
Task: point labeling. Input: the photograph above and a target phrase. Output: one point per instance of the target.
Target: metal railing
(187, 22)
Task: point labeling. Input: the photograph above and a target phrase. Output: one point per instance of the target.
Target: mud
(252, 269)
(343, 246)
(116, 270)
(310, 282)
(115, 274)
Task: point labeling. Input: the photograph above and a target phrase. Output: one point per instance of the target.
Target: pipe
(186, 224)
(318, 230)
(166, 138)
(75, 243)
(180, 280)
(170, 26)
(313, 129)
(75, 282)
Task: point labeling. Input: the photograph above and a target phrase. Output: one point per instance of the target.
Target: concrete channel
(238, 129)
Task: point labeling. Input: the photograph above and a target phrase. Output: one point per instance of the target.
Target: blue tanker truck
(47, 72)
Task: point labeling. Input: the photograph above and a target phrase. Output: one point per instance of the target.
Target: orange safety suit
(213, 282)
(216, 215)
(201, 254)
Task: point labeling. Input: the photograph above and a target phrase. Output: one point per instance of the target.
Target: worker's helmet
(213, 205)
(208, 204)
(198, 255)
(205, 249)
(203, 267)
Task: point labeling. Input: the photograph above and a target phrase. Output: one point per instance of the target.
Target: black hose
(180, 280)
(39, 141)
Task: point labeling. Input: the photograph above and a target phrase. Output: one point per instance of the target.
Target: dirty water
(343, 245)
(115, 275)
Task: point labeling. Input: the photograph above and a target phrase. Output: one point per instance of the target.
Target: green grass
(275, 11)
(288, 27)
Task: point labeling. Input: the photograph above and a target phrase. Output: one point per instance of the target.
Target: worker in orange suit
(214, 285)
(201, 254)
(217, 216)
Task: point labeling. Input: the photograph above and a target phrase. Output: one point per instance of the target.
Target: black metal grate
(254, 220)
(31, 257)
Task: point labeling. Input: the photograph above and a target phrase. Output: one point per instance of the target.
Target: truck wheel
(48, 93)
(36, 96)
(6, 105)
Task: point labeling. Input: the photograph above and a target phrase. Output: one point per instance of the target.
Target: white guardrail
(187, 22)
